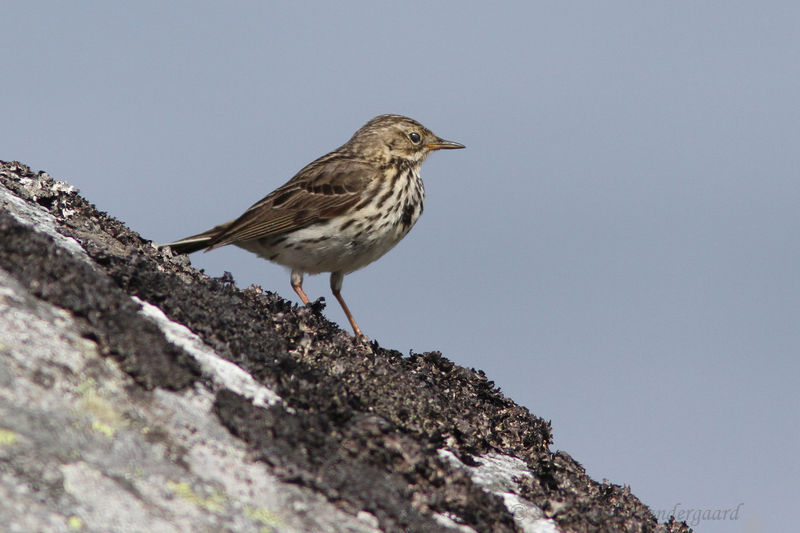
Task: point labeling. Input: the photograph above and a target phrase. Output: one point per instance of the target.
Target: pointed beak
(441, 144)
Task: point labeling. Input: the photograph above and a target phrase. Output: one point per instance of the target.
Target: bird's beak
(441, 144)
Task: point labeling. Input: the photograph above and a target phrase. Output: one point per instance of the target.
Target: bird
(340, 212)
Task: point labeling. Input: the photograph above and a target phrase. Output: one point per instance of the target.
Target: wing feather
(326, 188)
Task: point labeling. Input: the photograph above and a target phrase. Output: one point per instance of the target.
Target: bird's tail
(201, 241)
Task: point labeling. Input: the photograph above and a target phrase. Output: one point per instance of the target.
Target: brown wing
(324, 189)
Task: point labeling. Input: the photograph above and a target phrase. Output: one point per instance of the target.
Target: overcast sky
(617, 247)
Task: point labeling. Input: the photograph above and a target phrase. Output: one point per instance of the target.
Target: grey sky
(617, 247)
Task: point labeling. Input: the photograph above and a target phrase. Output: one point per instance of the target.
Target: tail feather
(201, 241)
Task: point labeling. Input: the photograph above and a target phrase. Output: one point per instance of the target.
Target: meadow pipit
(341, 212)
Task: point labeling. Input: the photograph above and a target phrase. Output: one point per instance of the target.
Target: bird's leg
(336, 288)
(297, 285)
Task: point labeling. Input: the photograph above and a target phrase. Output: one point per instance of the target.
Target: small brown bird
(341, 212)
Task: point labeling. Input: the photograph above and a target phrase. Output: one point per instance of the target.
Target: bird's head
(388, 137)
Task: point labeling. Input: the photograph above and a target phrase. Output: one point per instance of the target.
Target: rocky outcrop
(138, 394)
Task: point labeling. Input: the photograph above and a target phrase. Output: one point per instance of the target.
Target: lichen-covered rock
(137, 394)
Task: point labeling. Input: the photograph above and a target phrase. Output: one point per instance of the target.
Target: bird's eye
(414, 136)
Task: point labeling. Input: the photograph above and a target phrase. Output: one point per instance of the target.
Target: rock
(137, 394)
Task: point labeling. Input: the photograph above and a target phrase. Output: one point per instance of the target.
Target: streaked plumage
(342, 211)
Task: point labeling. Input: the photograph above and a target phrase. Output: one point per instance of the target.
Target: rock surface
(137, 394)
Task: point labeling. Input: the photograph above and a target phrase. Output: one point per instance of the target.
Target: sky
(617, 247)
